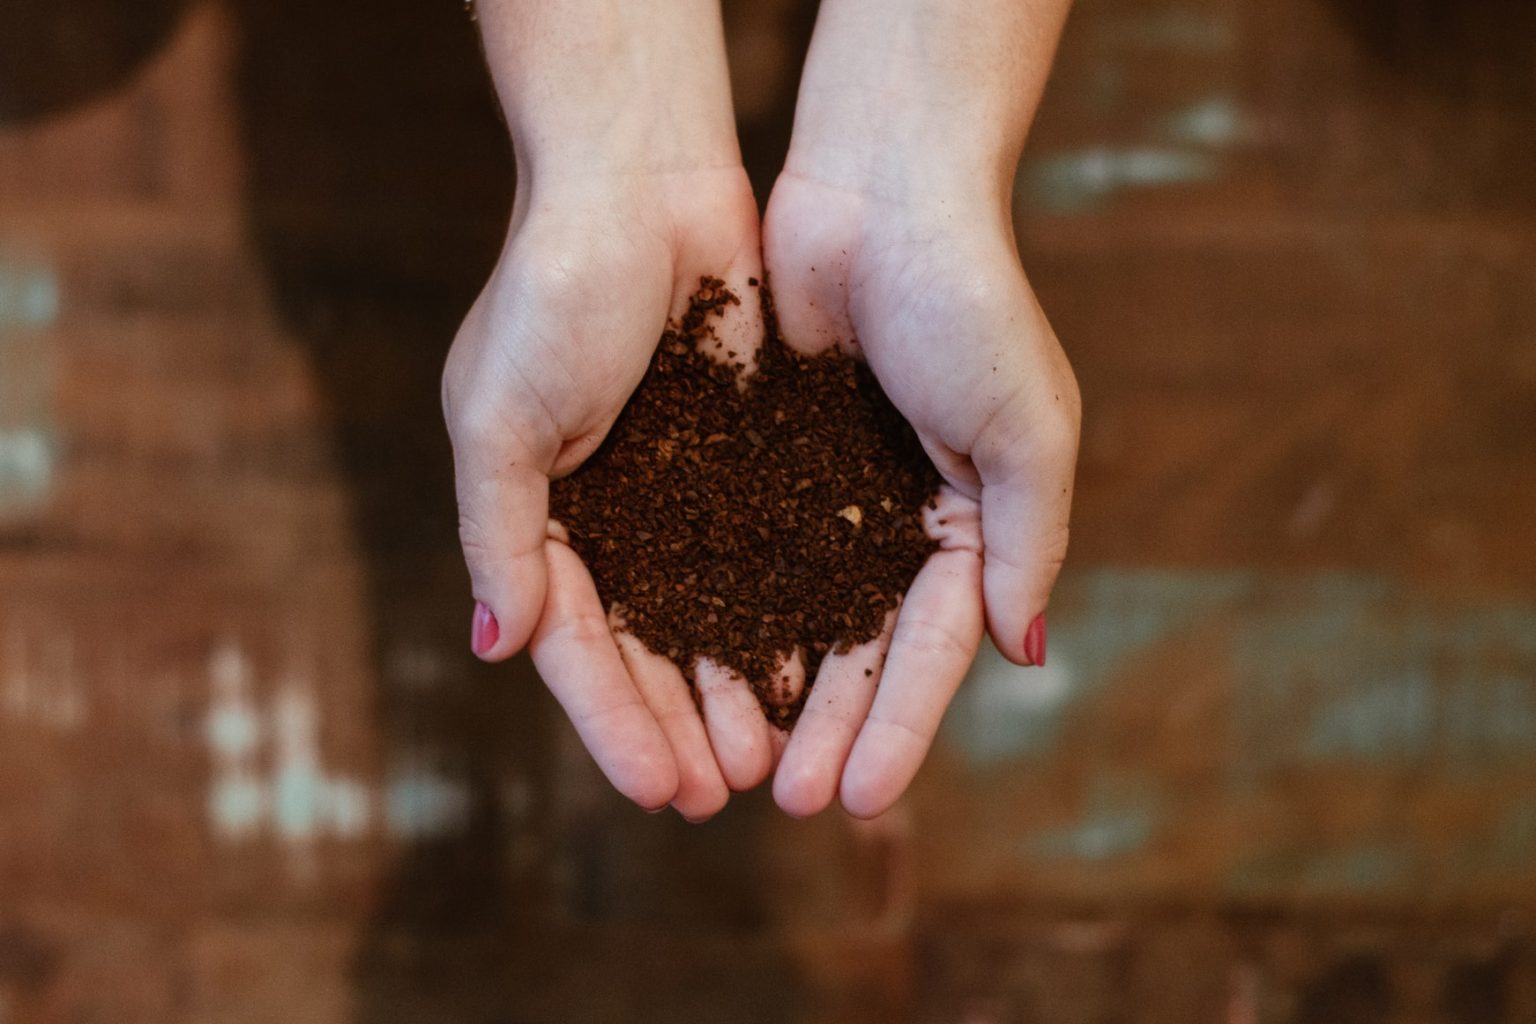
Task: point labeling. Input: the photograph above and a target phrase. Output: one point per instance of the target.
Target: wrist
(610, 87)
(905, 97)
(630, 207)
(898, 168)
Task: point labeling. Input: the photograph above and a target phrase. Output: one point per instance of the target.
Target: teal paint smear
(1115, 824)
(1084, 180)
(1099, 620)
(236, 805)
(419, 801)
(1369, 868)
(1327, 669)
(29, 305)
(1348, 669)
(29, 295)
(1214, 121)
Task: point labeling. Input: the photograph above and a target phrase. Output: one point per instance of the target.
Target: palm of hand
(542, 366)
(940, 308)
(563, 333)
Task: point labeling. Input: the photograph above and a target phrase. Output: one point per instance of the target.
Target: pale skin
(890, 223)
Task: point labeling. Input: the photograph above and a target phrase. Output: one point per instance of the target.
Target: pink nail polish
(484, 631)
(1034, 641)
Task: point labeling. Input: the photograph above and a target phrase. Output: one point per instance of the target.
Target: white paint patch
(233, 728)
(294, 798)
(237, 803)
(237, 797)
(1085, 178)
(29, 304)
(1107, 831)
(29, 295)
(26, 466)
(298, 784)
(1380, 718)
(349, 806)
(1214, 121)
(1005, 710)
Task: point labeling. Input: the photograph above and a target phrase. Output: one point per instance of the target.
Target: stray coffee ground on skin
(743, 524)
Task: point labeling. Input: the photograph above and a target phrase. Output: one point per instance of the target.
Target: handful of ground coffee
(742, 524)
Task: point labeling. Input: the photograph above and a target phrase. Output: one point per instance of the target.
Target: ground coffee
(742, 524)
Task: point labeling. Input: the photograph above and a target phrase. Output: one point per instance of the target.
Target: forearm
(909, 95)
(611, 86)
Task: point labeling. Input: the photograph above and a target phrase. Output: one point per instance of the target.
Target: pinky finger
(575, 654)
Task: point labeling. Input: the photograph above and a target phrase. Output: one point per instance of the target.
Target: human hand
(891, 225)
(629, 190)
(543, 364)
(935, 296)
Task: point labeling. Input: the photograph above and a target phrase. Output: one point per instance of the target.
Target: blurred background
(1281, 766)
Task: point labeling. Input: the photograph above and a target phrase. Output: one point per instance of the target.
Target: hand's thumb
(1026, 457)
(503, 518)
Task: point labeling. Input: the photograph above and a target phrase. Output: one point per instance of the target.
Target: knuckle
(473, 537)
(1056, 428)
(474, 423)
(580, 630)
(1052, 552)
(930, 640)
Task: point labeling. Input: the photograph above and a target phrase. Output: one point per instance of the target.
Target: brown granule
(743, 524)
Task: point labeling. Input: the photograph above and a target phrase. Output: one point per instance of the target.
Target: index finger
(938, 632)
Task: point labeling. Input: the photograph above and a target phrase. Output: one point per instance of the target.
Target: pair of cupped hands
(931, 287)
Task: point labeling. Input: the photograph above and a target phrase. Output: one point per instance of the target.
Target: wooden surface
(1281, 768)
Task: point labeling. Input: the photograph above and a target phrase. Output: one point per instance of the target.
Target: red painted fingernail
(484, 631)
(1034, 641)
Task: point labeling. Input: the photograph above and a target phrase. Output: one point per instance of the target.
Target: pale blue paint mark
(1332, 667)
(349, 806)
(1312, 873)
(420, 802)
(1099, 619)
(29, 303)
(237, 804)
(1214, 121)
(296, 796)
(26, 467)
(308, 803)
(233, 731)
(29, 295)
(1490, 719)
(297, 782)
(1119, 820)
(1085, 178)
(1005, 711)
(1381, 718)
(1351, 668)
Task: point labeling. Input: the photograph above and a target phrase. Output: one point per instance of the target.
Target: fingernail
(1034, 641)
(484, 631)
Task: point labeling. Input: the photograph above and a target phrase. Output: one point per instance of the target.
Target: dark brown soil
(741, 525)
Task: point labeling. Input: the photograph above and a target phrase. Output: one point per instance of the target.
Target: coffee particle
(744, 524)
